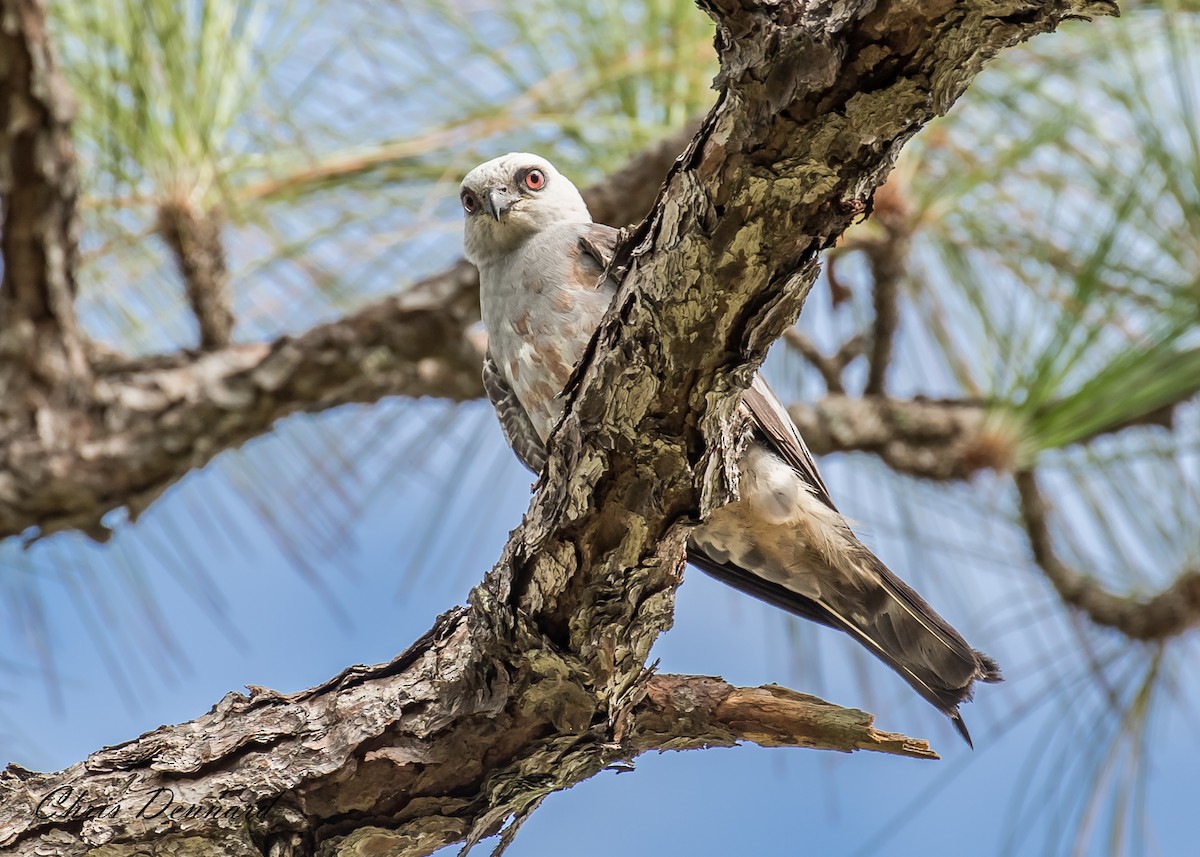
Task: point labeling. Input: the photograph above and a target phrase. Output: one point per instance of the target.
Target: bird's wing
(772, 420)
(598, 242)
(518, 430)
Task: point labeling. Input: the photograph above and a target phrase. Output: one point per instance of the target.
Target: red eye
(535, 180)
(469, 203)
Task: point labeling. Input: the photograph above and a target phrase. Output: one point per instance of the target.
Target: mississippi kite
(540, 260)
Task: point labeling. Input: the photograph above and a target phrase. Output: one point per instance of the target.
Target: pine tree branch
(399, 747)
(152, 420)
(941, 440)
(545, 671)
(39, 188)
(696, 712)
(1165, 614)
(887, 256)
(195, 242)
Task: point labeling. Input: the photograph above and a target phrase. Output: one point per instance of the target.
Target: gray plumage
(541, 261)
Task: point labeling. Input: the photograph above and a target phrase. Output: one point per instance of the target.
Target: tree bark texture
(39, 186)
(438, 746)
(541, 682)
(42, 365)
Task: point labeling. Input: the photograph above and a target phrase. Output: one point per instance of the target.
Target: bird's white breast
(540, 319)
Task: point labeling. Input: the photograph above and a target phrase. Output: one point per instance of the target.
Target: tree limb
(39, 187)
(1163, 615)
(400, 748)
(887, 256)
(716, 714)
(195, 242)
(545, 671)
(933, 439)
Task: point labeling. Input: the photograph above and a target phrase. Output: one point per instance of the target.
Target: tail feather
(891, 621)
(961, 726)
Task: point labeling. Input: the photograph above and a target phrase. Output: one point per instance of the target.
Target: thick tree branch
(544, 674)
(153, 420)
(1166, 614)
(398, 747)
(38, 186)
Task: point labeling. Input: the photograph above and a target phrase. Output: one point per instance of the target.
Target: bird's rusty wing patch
(596, 246)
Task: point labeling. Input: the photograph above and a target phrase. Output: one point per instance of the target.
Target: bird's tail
(904, 632)
(891, 620)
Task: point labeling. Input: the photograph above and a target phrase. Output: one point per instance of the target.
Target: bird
(544, 288)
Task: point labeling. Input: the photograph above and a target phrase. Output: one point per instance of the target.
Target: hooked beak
(497, 201)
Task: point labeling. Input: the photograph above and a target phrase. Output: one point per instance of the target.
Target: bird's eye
(535, 179)
(469, 203)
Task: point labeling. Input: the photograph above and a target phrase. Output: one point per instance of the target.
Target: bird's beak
(498, 200)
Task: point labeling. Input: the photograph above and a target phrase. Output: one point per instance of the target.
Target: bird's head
(510, 198)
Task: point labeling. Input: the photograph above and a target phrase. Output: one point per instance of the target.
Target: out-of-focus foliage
(332, 134)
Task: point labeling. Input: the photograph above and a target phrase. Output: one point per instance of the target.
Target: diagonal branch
(544, 673)
(1166, 614)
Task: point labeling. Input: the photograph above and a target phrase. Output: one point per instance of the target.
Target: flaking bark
(541, 682)
(389, 759)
